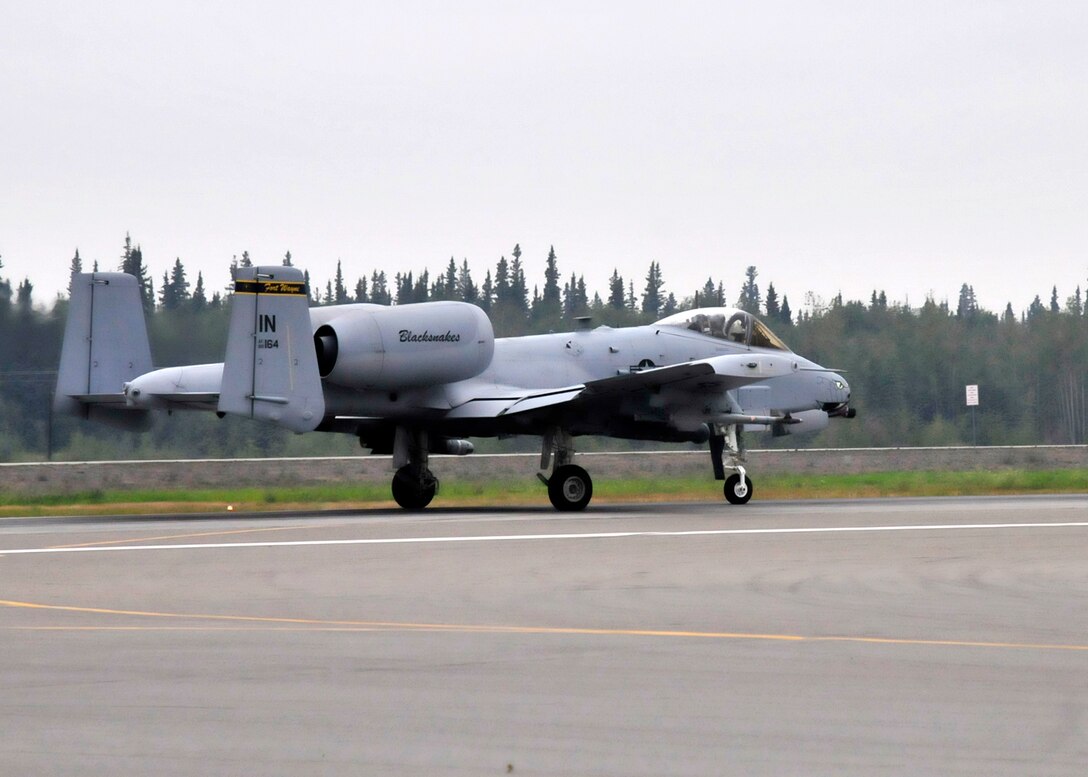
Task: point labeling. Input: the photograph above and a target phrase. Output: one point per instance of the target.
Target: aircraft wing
(720, 373)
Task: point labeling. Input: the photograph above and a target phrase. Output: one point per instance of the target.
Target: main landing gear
(414, 485)
(727, 452)
(569, 488)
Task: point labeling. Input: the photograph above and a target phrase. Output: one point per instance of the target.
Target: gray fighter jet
(412, 380)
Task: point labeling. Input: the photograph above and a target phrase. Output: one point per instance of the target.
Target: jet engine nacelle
(406, 346)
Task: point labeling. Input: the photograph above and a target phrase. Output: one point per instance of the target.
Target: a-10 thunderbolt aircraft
(411, 380)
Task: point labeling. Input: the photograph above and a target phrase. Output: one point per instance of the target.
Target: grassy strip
(523, 492)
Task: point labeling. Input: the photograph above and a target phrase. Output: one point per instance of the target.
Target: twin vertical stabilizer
(105, 345)
(270, 372)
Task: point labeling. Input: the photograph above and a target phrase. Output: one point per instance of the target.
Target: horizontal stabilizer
(100, 399)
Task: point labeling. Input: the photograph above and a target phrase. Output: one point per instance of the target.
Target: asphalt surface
(938, 636)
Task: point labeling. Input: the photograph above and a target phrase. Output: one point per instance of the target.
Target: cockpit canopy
(736, 326)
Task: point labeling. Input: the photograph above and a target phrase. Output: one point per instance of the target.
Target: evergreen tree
(575, 300)
(466, 289)
(24, 294)
(711, 295)
(519, 290)
(379, 290)
(967, 307)
(502, 283)
(631, 301)
(166, 294)
(1054, 307)
(548, 305)
(179, 283)
(785, 315)
(581, 297)
(404, 287)
(617, 299)
(671, 306)
(314, 294)
(770, 303)
(340, 291)
(132, 262)
(287, 260)
(449, 286)
(651, 297)
(749, 299)
(76, 267)
(360, 291)
(199, 301)
(422, 288)
(487, 293)
(1074, 306)
(551, 280)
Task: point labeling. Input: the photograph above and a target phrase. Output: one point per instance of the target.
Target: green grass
(528, 491)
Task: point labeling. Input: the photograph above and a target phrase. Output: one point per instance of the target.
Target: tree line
(505, 294)
(908, 366)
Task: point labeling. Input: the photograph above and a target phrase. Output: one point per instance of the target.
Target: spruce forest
(907, 365)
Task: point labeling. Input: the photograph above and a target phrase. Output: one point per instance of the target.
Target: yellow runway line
(315, 624)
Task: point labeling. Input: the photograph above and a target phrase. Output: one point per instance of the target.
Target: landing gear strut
(727, 452)
(414, 485)
(569, 488)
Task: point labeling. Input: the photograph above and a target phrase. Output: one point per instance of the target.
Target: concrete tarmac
(929, 636)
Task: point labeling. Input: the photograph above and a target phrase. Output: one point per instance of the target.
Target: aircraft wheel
(737, 493)
(411, 491)
(570, 488)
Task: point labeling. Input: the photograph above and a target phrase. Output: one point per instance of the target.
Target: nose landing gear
(738, 490)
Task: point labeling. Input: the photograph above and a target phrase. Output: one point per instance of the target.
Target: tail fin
(105, 345)
(270, 371)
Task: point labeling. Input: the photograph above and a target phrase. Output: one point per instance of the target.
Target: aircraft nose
(834, 389)
(842, 388)
(836, 399)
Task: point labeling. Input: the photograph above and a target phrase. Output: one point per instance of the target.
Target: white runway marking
(536, 537)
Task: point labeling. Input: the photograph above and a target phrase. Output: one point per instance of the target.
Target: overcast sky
(905, 147)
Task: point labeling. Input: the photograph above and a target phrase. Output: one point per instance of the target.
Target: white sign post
(972, 402)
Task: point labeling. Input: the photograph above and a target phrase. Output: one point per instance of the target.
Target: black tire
(733, 485)
(570, 488)
(413, 491)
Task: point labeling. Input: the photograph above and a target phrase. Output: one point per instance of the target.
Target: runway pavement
(936, 636)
